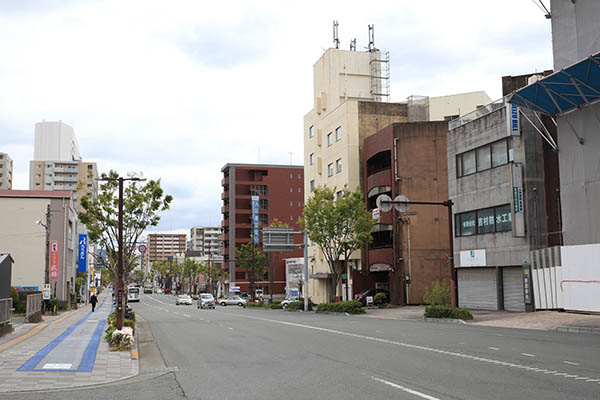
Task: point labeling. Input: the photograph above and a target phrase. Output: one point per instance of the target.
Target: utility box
(6, 262)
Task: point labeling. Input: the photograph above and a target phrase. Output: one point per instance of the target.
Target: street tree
(252, 259)
(338, 226)
(190, 270)
(141, 204)
(212, 272)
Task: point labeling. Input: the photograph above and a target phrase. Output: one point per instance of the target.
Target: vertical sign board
(255, 213)
(519, 215)
(54, 259)
(82, 265)
(512, 120)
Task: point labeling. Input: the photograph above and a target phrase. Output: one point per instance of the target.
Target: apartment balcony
(380, 178)
(65, 178)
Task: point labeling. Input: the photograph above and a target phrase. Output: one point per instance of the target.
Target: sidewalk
(544, 320)
(62, 351)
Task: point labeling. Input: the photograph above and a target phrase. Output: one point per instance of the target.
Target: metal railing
(34, 305)
(478, 113)
(5, 308)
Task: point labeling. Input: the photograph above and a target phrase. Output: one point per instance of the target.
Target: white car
(183, 299)
(232, 301)
(285, 302)
(206, 300)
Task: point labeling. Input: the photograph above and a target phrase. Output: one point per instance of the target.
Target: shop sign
(473, 258)
(380, 267)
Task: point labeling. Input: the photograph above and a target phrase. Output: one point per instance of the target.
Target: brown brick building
(408, 159)
(281, 196)
(161, 246)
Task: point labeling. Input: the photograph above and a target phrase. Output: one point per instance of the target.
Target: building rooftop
(37, 193)
(261, 166)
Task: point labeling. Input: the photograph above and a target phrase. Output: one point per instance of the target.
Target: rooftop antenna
(336, 40)
(372, 38)
(353, 45)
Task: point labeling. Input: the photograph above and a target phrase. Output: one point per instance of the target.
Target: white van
(133, 294)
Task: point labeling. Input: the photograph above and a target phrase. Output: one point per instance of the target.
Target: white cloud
(178, 90)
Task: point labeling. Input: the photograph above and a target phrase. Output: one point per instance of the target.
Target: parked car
(287, 301)
(362, 296)
(206, 300)
(158, 291)
(183, 299)
(232, 301)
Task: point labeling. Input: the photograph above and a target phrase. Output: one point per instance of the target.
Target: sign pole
(305, 286)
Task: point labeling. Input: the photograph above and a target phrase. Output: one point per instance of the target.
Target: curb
(578, 329)
(445, 320)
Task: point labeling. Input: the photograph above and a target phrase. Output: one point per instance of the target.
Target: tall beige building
(6, 172)
(76, 176)
(349, 87)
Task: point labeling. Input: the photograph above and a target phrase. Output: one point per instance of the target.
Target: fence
(34, 307)
(5, 307)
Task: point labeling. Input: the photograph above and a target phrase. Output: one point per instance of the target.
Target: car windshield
(206, 296)
(184, 296)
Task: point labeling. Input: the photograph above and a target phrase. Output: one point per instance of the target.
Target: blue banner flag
(82, 266)
(255, 219)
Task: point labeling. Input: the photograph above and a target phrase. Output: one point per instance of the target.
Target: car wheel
(223, 304)
(240, 304)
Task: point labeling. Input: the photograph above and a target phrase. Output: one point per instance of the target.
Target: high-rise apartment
(280, 191)
(55, 141)
(6, 172)
(207, 240)
(163, 246)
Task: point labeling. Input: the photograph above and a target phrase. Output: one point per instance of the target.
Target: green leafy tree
(338, 227)
(256, 265)
(439, 295)
(142, 201)
(213, 273)
(190, 270)
(138, 276)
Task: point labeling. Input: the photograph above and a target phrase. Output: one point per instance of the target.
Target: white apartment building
(6, 172)
(55, 141)
(208, 240)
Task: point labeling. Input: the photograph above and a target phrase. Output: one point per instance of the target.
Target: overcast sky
(177, 89)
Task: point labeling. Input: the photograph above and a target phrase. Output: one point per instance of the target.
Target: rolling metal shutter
(513, 289)
(477, 288)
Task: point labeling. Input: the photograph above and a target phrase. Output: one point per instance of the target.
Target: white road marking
(571, 363)
(407, 390)
(57, 366)
(528, 355)
(185, 315)
(415, 347)
(493, 348)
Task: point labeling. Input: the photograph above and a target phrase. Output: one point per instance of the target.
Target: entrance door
(513, 289)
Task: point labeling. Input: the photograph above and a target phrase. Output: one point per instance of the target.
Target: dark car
(362, 296)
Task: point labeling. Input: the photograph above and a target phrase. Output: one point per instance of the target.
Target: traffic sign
(142, 248)
(401, 207)
(382, 203)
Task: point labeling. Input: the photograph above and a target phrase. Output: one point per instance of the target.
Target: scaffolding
(380, 75)
(418, 108)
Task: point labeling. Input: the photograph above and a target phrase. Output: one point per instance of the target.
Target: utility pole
(47, 226)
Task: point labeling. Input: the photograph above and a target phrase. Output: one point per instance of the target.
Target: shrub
(275, 306)
(15, 298)
(439, 294)
(350, 307)
(436, 311)
(380, 299)
(298, 305)
(109, 331)
(253, 304)
(122, 339)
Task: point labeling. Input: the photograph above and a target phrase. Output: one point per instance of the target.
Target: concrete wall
(580, 282)
(456, 104)
(55, 141)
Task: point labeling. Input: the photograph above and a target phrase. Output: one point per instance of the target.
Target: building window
(338, 194)
(299, 190)
(291, 175)
(259, 190)
(299, 175)
(291, 190)
(299, 204)
(311, 131)
(484, 157)
(330, 139)
(338, 165)
(312, 185)
(311, 159)
(487, 220)
(292, 203)
(338, 133)
(291, 217)
(330, 169)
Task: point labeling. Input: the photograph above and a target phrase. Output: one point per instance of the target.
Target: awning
(564, 90)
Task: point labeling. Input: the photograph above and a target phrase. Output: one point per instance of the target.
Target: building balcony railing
(478, 113)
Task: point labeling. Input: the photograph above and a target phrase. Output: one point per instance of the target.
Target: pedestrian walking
(93, 300)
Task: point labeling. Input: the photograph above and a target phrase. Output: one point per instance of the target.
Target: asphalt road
(235, 353)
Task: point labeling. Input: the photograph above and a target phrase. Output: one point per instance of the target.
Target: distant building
(26, 241)
(6, 172)
(79, 177)
(281, 194)
(207, 240)
(165, 246)
(55, 141)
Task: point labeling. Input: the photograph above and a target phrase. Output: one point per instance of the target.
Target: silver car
(206, 300)
(232, 301)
